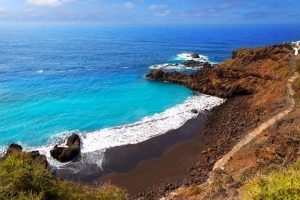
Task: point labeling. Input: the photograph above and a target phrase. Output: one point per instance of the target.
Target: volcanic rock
(195, 111)
(35, 155)
(194, 64)
(69, 153)
(13, 147)
(194, 55)
(39, 159)
(237, 76)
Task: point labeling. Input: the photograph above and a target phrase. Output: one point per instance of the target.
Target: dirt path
(251, 135)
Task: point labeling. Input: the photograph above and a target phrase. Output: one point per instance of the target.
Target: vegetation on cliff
(22, 178)
(277, 185)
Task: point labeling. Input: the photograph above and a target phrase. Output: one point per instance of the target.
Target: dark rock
(13, 147)
(35, 155)
(39, 159)
(66, 154)
(195, 111)
(73, 140)
(193, 63)
(194, 55)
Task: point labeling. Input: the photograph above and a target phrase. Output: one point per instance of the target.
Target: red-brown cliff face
(247, 72)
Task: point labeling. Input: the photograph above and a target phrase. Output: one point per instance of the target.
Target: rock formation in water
(66, 154)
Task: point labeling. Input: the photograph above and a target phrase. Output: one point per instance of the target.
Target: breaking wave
(95, 143)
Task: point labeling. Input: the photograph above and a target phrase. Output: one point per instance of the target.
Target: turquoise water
(57, 79)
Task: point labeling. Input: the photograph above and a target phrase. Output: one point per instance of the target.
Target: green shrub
(277, 185)
(22, 179)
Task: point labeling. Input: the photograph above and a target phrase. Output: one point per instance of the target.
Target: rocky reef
(240, 75)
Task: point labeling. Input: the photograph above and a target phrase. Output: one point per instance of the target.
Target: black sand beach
(124, 159)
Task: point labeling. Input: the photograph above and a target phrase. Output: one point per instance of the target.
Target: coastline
(186, 156)
(254, 97)
(186, 162)
(125, 158)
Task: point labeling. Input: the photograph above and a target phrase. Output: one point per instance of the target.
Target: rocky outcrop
(73, 140)
(195, 111)
(13, 147)
(243, 74)
(35, 155)
(69, 153)
(39, 159)
(194, 64)
(194, 55)
(204, 81)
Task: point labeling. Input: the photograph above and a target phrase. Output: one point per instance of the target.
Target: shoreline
(185, 156)
(187, 162)
(125, 158)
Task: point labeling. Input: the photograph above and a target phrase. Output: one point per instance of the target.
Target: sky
(152, 12)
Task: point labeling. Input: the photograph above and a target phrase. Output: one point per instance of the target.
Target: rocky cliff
(243, 74)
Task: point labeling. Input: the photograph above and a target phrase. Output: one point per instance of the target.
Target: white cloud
(129, 5)
(47, 2)
(163, 14)
(156, 6)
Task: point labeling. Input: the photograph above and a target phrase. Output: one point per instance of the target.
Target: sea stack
(69, 153)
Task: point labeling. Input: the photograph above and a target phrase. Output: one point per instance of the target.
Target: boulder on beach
(195, 111)
(69, 153)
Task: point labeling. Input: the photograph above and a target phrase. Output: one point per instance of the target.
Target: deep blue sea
(57, 79)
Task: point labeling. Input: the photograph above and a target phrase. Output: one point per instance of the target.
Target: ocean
(89, 79)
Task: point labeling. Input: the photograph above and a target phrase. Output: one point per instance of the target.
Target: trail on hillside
(257, 131)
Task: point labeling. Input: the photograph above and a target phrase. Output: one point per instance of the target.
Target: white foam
(148, 127)
(296, 47)
(171, 66)
(95, 143)
(183, 57)
(188, 56)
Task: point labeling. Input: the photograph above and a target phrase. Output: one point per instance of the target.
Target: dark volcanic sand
(162, 159)
(187, 162)
(183, 156)
(126, 160)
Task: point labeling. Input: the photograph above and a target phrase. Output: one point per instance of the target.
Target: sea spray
(182, 57)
